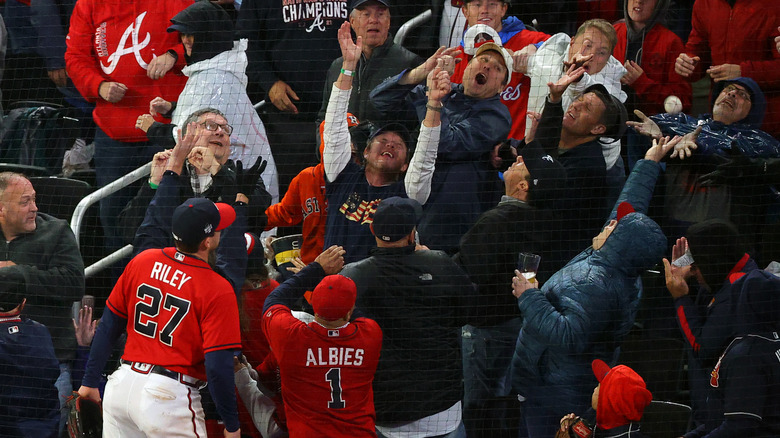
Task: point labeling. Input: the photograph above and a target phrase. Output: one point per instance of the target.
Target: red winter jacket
(113, 40)
(659, 51)
(741, 35)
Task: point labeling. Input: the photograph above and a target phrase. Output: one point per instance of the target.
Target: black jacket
(386, 61)
(49, 263)
(420, 299)
(586, 200)
(489, 253)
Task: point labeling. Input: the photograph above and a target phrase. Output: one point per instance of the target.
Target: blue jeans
(64, 390)
(114, 159)
(487, 356)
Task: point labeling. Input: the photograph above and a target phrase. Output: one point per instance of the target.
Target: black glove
(85, 417)
(735, 168)
(246, 180)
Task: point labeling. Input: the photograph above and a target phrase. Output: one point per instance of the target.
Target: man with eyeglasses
(207, 173)
(733, 128)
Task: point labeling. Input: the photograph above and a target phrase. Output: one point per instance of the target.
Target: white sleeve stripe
(749, 414)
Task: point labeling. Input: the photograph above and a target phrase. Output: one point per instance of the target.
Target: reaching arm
(418, 178)
(329, 262)
(110, 328)
(338, 149)
(219, 370)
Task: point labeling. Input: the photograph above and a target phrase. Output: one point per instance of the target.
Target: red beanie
(623, 395)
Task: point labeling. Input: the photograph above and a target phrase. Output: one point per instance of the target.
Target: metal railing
(97, 195)
(407, 27)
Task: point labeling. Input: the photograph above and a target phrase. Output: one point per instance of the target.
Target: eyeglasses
(211, 125)
(744, 95)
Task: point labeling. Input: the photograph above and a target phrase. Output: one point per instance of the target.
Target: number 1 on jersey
(333, 376)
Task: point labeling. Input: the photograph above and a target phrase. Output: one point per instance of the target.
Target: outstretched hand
(246, 179)
(676, 279)
(420, 73)
(350, 50)
(438, 82)
(85, 327)
(680, 248)
(686, 145)
(661, 146)
(645, 125)
(572, 74)
(331, 260)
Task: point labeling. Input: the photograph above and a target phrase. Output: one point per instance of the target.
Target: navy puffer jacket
(585, 309)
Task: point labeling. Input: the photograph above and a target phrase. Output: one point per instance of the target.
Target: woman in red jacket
(648, 51)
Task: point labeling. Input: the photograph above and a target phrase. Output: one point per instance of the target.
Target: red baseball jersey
(327, 374)
(177, 309)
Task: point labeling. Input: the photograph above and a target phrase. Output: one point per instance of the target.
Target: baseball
(672, 105)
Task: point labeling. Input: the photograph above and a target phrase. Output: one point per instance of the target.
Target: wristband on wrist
(174, 54)
(153, 185)
(349, 73)
(434, 108)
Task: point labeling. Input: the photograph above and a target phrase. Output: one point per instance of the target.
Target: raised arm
(337, 152)
(418, 177)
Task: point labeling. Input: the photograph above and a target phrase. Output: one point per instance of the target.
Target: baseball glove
(85, 417)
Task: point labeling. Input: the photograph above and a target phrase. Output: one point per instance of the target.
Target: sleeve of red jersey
(80, 60)
(118, 300)
(219, 323)
(278, 322)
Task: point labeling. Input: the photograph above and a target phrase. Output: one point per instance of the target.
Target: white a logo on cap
(207, 229)
(548, 158)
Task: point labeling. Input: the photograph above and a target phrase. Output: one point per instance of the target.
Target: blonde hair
(602, 26)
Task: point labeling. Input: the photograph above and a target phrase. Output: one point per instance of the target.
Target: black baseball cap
(358, 3)
(548, 177)
(393, 127)
(198, 218)
(395, 218)
(615, 114)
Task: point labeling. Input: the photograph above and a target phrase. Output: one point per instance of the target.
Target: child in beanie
(619, 400)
